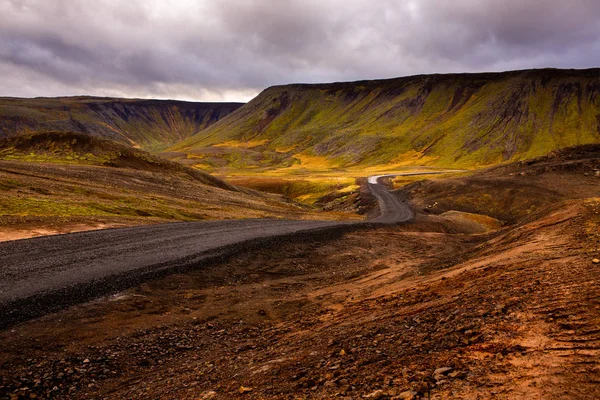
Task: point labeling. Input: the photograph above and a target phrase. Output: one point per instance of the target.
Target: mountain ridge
(466, 120)
(146, 123)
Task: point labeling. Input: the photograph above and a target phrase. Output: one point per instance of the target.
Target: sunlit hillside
(457, 120)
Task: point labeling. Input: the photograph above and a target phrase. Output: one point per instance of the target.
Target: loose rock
(378, 394)
(442, 371)
(244, 389)
(407, 395)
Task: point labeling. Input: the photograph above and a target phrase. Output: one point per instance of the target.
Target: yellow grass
(242, 145)
(484, 222)
(285, 149)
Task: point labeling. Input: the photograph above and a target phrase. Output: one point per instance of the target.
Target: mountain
(148, 124)
(458, 120)
(73, 148)
(56, 182)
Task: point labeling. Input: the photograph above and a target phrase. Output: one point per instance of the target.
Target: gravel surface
(45, 274)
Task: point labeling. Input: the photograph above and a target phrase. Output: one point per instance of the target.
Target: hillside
(148, 124)
(57, 182)
(81, 149)
(424, 310)
(458, 120)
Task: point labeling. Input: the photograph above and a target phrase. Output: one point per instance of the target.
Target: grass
(34, 195)
(457, 121)
(56, 157)
(148, 124)
(74, 201)
(307, 189)
(57, 176)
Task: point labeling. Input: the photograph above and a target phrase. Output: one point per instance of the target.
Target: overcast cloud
(212, 50)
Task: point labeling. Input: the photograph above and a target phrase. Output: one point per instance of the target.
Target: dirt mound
(472, 223)
(585, 158)
(77, 148)
(514, 192)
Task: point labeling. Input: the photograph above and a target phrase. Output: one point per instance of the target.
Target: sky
(230, 50)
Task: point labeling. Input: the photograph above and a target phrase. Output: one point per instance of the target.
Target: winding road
(45, 274)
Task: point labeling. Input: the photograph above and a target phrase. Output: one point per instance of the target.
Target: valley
(425, 237)
(434, 308)
(64, 182)
(147, 124)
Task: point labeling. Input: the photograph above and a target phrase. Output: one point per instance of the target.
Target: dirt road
(41, 275)
(431, 309)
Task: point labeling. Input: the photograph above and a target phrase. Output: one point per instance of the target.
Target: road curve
(44, 274)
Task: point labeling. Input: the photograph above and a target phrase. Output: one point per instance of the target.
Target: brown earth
(24, 232)
(513, 313)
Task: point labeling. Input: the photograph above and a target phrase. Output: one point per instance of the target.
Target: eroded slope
(460, 120)
(149, 124)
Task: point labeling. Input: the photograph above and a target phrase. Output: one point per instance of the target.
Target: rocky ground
(422, 310)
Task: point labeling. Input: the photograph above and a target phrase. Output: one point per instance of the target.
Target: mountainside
(433, 309)
(459, 120)
(149, 124)
(57, 182)
(81, 149)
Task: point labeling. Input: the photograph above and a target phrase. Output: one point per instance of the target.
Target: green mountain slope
(53, 182)
(148, 124)
(70, 148)
(459, 120)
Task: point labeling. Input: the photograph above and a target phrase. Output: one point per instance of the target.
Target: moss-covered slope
(148, 124)
(79, 149)
(459, 120)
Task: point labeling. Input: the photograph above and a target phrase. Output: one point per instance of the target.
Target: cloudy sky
(214, 50)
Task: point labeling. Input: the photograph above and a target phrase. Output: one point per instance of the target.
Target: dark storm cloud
(215, 49)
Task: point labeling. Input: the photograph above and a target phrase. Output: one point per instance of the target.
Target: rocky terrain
(429, 309)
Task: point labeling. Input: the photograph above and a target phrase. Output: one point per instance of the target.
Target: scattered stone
(595, 261)
(442, 371)
(457, 375)
(407, 395)
(208, 395)
(86, 361)
(342, 352)
(244, 389)
(378, 394)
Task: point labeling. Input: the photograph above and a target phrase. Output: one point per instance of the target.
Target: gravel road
(44, 274)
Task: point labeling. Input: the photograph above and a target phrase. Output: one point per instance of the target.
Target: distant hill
(459, 120)
(148, 124)
(81, 149)
(57, 182)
